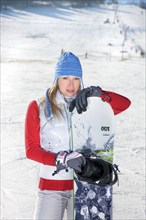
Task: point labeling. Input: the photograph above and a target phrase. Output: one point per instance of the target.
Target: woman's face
(68, 85)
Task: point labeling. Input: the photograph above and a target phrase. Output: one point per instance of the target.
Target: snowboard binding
(98, 171)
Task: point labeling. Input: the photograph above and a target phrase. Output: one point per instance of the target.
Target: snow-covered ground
(32, 40)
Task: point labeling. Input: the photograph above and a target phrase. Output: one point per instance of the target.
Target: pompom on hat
(68, 65)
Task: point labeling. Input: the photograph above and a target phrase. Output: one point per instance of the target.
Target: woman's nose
(71, 83)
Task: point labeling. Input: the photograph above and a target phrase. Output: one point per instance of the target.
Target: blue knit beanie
(68, 65)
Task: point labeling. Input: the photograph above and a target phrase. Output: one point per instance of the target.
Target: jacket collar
(60, 99)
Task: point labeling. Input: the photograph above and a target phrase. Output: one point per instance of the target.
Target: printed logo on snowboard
(105, 129)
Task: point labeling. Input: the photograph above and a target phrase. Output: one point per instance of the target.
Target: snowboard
(93, 132)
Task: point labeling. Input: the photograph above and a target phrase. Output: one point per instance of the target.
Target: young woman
(47, 136)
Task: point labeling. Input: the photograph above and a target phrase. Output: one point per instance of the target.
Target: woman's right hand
(80, 102)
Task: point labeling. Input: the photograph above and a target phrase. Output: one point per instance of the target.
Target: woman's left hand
(74, 160)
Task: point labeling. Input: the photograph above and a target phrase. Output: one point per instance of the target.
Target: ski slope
(31, 41)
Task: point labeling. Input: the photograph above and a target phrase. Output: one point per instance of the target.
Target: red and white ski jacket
(45, 137)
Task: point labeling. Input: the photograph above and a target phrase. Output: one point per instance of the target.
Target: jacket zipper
(69, 123)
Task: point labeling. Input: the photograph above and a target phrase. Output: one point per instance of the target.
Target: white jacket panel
(54, 137)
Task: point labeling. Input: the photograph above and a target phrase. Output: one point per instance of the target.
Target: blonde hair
(56, 111)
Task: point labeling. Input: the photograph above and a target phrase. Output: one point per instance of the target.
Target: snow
(32, 39)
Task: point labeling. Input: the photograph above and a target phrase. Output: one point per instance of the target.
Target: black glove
(98, 171)
(80, 102)
(65, 160)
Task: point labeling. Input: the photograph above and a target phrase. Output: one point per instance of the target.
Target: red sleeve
(118, 102)
(32, 137)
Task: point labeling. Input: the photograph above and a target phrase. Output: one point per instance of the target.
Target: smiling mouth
(70, 91)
